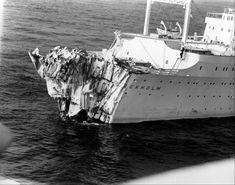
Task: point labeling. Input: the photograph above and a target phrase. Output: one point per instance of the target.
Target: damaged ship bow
(88, 86)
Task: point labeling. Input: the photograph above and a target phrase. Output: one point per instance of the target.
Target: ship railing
(229, 10)
(215, 15)
(162, 71)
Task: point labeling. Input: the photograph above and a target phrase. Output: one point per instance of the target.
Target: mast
(147, 17)
(187, 3)
(186, 21)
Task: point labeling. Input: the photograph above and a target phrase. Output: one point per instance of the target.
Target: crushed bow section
(87, 85)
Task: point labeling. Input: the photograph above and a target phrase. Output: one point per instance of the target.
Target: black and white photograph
(117, 92)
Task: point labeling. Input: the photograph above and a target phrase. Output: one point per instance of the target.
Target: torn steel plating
(88, 87)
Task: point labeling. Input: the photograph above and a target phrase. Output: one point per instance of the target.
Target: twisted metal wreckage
(87, 85)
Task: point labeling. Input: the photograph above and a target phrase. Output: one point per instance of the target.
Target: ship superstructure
(146, 77)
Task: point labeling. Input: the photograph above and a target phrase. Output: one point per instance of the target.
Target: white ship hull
(204, 90)
(144, 77)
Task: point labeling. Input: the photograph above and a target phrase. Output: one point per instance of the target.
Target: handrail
(215, 15)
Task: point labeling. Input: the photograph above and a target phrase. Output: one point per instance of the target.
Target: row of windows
(158, 88)
(221, 29)
(229, 18)
(216, 68)
(190, 96)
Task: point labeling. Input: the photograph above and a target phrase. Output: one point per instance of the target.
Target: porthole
(204, 83)
(223, 68)
(179, 82)
(149, 94)
(188, 82)
(216, 68)
(198, 96)
(139, 93)
(144, 80)
(219, 96)
(189, 96)
(170, 82)
(200, 68)
(136, 87)
(226, 69)
(142, 87)
(233, 69)
(162, 95)
(178, 95)
(161, 81)
(204, 96)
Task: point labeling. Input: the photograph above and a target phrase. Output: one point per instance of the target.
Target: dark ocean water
(46, 150)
